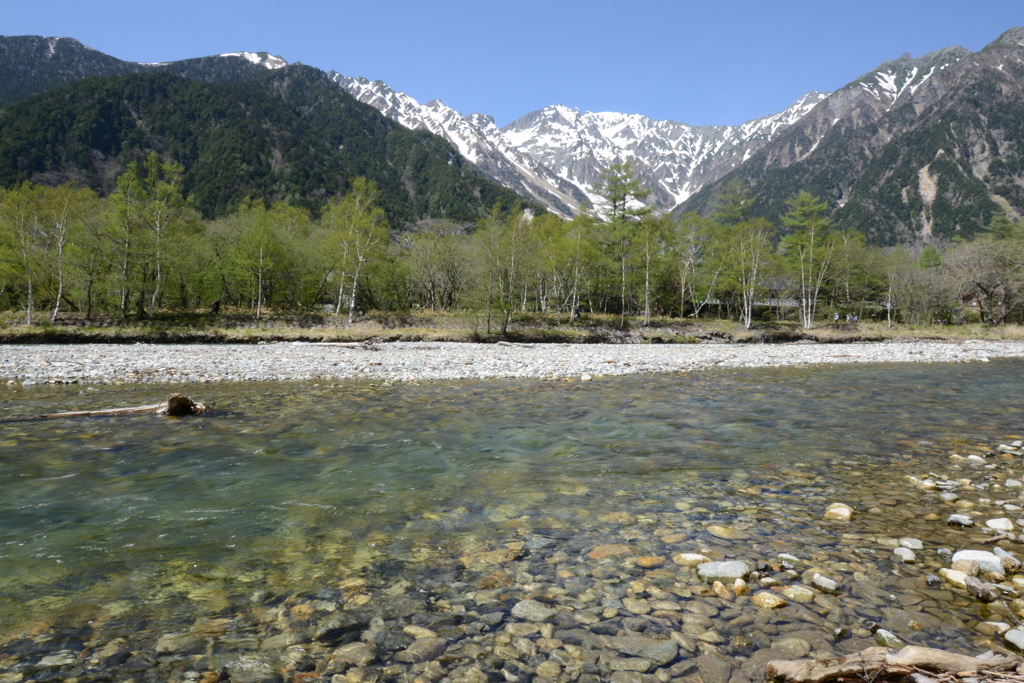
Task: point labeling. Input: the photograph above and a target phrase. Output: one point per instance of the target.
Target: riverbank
(413, 361)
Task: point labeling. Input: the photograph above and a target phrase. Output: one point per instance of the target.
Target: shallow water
(293, 488)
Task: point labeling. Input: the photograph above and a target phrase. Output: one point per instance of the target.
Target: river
(247, 533)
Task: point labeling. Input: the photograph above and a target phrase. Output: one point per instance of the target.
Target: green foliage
(144, 251)
(930, 257)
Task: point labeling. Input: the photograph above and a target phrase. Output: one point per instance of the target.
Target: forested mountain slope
(281, 134)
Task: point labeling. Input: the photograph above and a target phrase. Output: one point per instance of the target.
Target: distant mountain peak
(555, 155)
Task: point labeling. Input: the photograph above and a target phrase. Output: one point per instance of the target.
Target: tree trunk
(352, 294)
(176, 405)
(879, 662)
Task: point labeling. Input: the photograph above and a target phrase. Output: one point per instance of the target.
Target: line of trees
(145, 249)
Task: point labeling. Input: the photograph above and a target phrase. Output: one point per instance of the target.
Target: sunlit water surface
(290, 487)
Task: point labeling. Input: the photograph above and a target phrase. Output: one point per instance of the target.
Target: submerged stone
(798, 594)
(824, 583)
(657, 651)
(531, 610)
(727, 533)
(888, 639)
(840, 512)
(422, 650)
(768, 600)
(690, 559)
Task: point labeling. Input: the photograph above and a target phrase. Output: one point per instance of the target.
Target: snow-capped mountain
(556, 155)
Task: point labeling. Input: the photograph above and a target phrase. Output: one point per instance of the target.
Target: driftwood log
(177, 405)
(877, 663)
(369, 345)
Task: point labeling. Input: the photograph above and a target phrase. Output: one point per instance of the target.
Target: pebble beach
(413, 361)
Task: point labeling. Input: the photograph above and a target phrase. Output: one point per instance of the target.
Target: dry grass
(461, 326)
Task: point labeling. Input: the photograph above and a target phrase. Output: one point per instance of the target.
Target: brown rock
(602, 552)
(649, 562)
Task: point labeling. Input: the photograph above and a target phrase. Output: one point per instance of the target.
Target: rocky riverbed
(708, 589)
(407, 361)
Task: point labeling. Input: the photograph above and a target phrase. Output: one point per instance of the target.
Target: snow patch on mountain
(264, 59)
(905, 76)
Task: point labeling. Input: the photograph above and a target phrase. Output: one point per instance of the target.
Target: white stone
(723, 571)
(912, 543)
(905, 555)
(1000, 524)
(987, 562)
(839, 511)
(1015, 637)
(954, 577)
(959, 520)
(824, 583)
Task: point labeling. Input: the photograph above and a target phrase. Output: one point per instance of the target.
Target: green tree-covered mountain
(239, 129)
(929, 148)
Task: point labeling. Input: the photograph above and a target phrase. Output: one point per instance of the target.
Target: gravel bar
(414, 361)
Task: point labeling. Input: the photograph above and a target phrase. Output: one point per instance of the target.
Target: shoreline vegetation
(240, 327)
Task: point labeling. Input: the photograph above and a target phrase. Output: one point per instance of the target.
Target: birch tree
(19, 215)
(750, 250)
(163, 213)
(357, 232)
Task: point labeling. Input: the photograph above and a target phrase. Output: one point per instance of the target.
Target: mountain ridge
(556, 154)
(281, 133)
(822, 143)
(916, 149)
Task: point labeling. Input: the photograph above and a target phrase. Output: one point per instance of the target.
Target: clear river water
(138, 527)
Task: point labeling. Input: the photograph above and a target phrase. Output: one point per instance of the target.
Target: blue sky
(707, 63)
